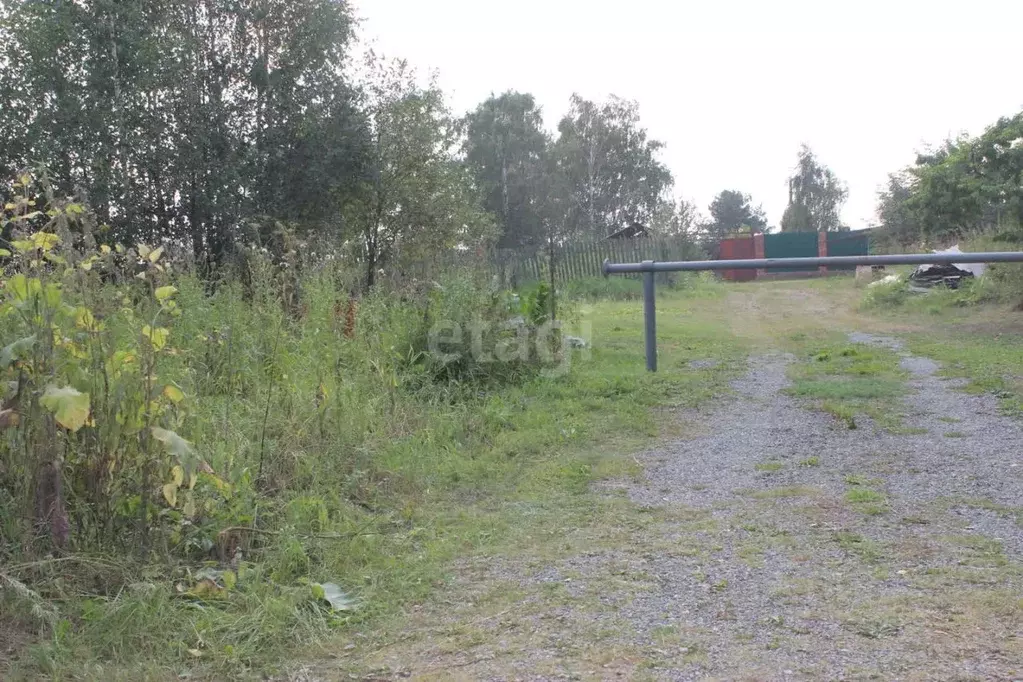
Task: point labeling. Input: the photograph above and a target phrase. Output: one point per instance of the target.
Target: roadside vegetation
(269, 369)
(206, 481)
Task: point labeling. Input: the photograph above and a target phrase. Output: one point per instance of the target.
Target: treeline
(966, 186)
(214, 122)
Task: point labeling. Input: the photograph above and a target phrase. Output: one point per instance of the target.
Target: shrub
(477, 335)
(886, 294)
(234, 446)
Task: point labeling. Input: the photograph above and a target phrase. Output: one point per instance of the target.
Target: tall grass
(219, 454)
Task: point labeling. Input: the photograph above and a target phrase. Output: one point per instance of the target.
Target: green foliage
(629, 289)
(610, 168)
(370, 482)
(732, 212)
(86, 414)
(886, 294)
(416, 200)
(506, 150)
(846, 381)
(816, 196)
(676, 219)
(474, 335)
(183, 122)
(538, 304)
(965, 186)
(604, 288)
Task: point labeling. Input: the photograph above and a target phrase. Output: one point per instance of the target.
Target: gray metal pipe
(813, 263)
(649, 267)
(650, 318)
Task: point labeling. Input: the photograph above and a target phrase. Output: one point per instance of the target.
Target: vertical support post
(758, 252)
(650, 318)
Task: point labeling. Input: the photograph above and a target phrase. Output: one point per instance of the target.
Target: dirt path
(775, 544)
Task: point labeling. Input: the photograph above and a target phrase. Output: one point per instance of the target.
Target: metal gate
(649, 268)
(738, 248)
(792, 245)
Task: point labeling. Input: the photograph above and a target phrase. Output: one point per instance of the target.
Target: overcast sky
(734, 86)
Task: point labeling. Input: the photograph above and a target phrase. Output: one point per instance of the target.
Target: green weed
(868, 501)
(867, 550)
(847, 381)
(325, 447)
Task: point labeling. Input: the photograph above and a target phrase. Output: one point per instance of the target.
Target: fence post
(650, 319)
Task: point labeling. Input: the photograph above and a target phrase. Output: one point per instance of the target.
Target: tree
(676, 219)
(816, 196)
(417, 200)
(610, 165)
(180, 120)
(965, 185)
(506, 148)
(732, 212)
(894, 212)
(971, 184)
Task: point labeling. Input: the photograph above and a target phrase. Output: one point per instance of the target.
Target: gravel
(769, 572)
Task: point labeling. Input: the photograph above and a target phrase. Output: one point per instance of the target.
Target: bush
(205, 459)
(882, 294)
(473, 334)
(1002, 282)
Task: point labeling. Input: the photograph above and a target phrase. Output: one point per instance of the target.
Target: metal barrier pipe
(649, 267)
(813, 263)
(650, 318)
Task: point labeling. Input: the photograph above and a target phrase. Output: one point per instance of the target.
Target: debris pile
(950, 275)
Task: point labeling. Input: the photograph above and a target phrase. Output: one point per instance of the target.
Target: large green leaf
(69, 406)
(333, 595)
(16, 351)
(174, 444)
(180, 449)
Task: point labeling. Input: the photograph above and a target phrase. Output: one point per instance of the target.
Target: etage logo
(547, 345)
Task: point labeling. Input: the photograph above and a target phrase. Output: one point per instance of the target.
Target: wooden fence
(581, 261)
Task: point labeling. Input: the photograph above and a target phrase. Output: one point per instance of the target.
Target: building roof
(631, 232)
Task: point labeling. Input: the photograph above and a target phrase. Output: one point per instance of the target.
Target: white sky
(734, 86)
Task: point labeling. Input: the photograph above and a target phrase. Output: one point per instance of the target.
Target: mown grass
(848, 380)
(432, 481)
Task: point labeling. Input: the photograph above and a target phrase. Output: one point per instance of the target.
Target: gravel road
(776, 544)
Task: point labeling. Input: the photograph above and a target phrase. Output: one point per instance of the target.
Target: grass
(973, 332)
(783, 492)
(1003, 510)
(449, 479)
(869, 502)
(853, 592)
(867, 550)
(848, 380)
(669, 285)
(506, 472)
